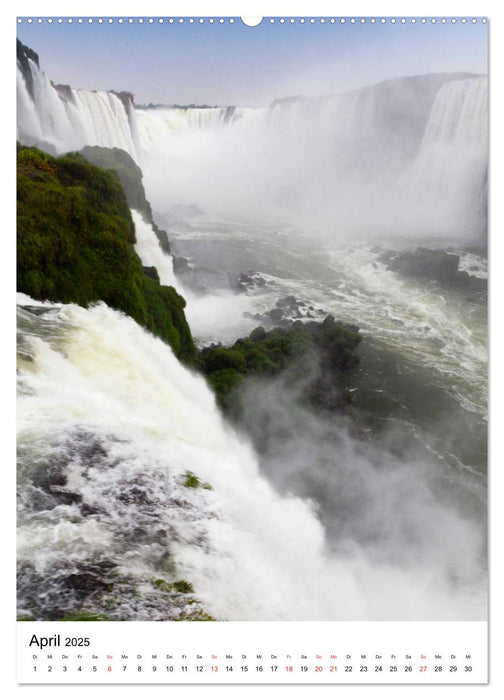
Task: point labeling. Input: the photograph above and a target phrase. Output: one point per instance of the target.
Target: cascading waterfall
(68, 119)
(149, 251)
(307, 160)
(450, 169)
(219, 313)
(109, 426)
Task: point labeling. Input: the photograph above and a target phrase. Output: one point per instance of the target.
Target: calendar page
(252, 397)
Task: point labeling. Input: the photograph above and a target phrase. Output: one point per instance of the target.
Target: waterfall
(149, 251)
(305, 160)
(110, 424)
(63, 118)
(448, 177)
(459, 114)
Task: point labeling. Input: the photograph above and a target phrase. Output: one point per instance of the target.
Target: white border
(274, 8)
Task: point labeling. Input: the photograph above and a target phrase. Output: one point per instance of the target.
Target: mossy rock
(131, 178)
(330, 345)
(75, 244)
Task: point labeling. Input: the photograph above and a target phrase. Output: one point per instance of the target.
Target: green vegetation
(75, 243)
(328, 346)
(183, 587)
(193, 482)
(130, 176)
(170, 586)
(197, 616)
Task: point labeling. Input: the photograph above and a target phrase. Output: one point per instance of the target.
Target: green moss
(130, 176)
(331, 345)
(197, 616)
(224, 358)
(193, 482)
(224, 382)
(183, 587)
(159, 583)
(180, 586)
(75, 243)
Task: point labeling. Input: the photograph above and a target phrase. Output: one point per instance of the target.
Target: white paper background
(273, 8)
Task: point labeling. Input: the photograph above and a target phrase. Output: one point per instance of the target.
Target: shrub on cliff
(327, 348)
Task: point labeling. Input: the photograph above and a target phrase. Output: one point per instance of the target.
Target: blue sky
(235, 64)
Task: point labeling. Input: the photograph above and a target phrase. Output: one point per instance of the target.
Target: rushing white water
(309, 161)
(450, 168)
(69, 119)
(156, 124)
(150, 252)
(109, 424)
(214, 313)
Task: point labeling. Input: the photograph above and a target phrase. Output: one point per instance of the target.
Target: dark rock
(203, 280)
(24, 55)
(250, 280)
(289, 301)
(477, 284)
(435, 266)
(95, 577)
(86, 509)
(480, 250)
(127, 98)
(276, 314)
(349, 326)
(152, 273)
(386, 256)
(67, 498)
(180, 265)
(65, 91)
(428, 264)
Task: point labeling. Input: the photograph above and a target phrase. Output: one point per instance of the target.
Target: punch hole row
(233, 20)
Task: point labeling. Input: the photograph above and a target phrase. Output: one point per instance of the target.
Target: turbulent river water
(316, 522)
